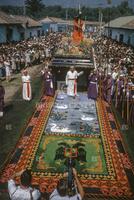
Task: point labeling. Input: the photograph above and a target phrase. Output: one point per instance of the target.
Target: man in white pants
(71, 81)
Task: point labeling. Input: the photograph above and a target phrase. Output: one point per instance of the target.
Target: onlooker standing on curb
(2, 94)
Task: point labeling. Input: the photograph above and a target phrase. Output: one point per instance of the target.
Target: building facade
(53, 24)
(121, 30)
(16, 28)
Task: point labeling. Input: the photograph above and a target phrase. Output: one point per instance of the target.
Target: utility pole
(67, 14)
(109, 16)
(100, 19)
(24, 8)
(80, 9)
(24, 13)
(66, 19)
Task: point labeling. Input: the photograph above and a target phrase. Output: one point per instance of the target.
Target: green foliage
(34, 7)
(37, 10)
(112, 13)
(13, 10)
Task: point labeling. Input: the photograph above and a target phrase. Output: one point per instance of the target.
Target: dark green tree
(34, 7)
(13, 10)
(37, 10)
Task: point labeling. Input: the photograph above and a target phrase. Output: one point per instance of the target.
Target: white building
(29, 27)
(53, 24)
(121, 29)
(17, 28)
(59, 25)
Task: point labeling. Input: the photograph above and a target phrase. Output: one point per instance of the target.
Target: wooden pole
(116, 95)
(123, 103)
(128, 108)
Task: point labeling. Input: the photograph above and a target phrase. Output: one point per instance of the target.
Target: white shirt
(17, 193)
(72, 75)
(114, 75)
(55, 196)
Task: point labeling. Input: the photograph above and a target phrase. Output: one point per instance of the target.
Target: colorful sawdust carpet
(86, 127)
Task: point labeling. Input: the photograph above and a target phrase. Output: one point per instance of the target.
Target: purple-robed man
(108, 88)
(92, 86)
(48, 81)
(120, 84)
(131, 116)
(2, 93)
(104, 86)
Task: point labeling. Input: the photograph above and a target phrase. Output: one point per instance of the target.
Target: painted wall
(16, 33)
(31, 32)
(117, 34)
(54, 27)
(49, 27)
(9, 33)
(62, 27)
(45, 27)
(2, 33)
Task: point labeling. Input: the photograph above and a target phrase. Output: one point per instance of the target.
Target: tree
(37, 10)
(34, 7)
(12, 10)
(121, 10)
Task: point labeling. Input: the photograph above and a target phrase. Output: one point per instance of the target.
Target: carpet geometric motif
(103, 165)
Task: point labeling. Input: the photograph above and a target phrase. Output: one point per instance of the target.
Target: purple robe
(120, 85)
(104, 80)
(48, 86)
(2, 93)
(92, 87)
(131, 112)
(108, 89)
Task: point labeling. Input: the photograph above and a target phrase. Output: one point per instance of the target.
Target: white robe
(71, 82)
(26, 92)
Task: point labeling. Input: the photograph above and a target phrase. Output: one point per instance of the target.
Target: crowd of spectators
(15, 57)
(115, 65)
(111, 54)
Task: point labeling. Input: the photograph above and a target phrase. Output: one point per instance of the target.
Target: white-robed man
(26, 91)
(71, 81)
